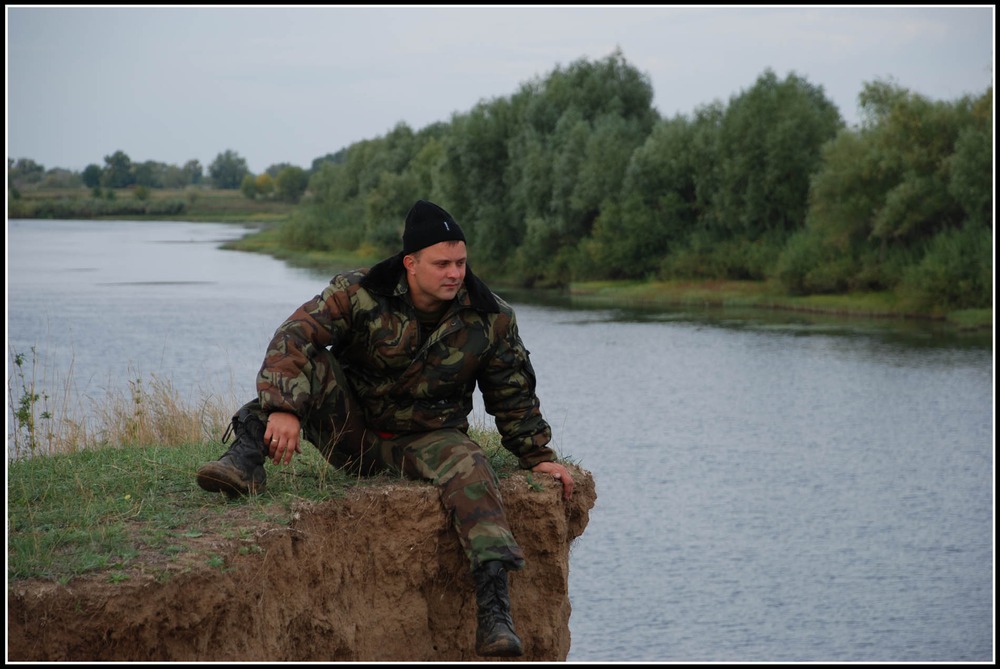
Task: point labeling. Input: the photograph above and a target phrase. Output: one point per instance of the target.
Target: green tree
(58, 177)
(475, 186)
(769, 146)
(228, 170)
(174, 177)
(576, 131)
(343, 193)
(248, 186)
(150, 173)
(427, 167)
(334, 219)
(194, 172)
(385, 209)
(92, 175)
(657, 209)
(291, 184)
(826, 255)
(607, 151)
(24, 171)
(117, 171)
(912, 139)
(896, 201)
(970, 181)
(335, 158)
(275, 169)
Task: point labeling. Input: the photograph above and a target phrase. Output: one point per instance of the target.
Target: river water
(779, 489)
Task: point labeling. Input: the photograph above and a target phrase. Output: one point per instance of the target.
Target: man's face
(435, 273)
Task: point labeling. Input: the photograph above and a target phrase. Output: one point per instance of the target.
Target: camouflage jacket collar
(386, 278)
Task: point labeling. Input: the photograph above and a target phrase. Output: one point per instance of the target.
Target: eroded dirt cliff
(375, 576)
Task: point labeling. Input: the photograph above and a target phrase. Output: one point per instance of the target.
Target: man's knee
(448, 458)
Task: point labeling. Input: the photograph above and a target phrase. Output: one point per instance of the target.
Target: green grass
(267, 241)
(109, 509)
(110, 485)
(761, 295)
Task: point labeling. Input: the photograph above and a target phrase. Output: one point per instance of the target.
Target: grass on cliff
(97, 494)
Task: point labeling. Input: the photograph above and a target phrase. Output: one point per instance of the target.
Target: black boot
(240, 471)
(495, 633)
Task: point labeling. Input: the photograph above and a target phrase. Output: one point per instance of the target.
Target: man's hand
(282, 436)
(559, 473)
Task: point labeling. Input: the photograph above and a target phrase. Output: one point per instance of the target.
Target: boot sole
(214, 477)
(500, 648)
(504, 651)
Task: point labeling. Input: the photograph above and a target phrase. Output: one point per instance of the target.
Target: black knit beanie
(426, 225)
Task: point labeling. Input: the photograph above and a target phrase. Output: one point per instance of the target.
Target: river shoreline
(755, 295)
(759, 296)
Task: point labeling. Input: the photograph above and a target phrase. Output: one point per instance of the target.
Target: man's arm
(508, 387)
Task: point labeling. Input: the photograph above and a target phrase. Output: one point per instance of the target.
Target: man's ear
(408, 262)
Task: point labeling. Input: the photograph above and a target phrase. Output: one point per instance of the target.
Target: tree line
(576, 176)
(282, 181)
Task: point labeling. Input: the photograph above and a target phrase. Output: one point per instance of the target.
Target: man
(378, 373)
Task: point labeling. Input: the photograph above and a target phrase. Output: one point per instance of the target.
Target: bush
(955, 273)
(808, 266)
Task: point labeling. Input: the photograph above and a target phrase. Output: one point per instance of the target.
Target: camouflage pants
(448, 458)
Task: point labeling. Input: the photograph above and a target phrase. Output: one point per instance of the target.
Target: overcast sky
(290, 84)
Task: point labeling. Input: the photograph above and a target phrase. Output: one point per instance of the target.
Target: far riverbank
(708, 292)
(214, 205)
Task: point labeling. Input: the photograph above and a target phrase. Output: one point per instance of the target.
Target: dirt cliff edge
(375, 576)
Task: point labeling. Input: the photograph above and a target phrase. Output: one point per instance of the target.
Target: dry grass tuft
(150, 413)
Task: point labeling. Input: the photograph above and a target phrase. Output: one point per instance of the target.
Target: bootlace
(228, 433)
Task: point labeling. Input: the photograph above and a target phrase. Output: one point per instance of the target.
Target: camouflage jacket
(367, 321)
